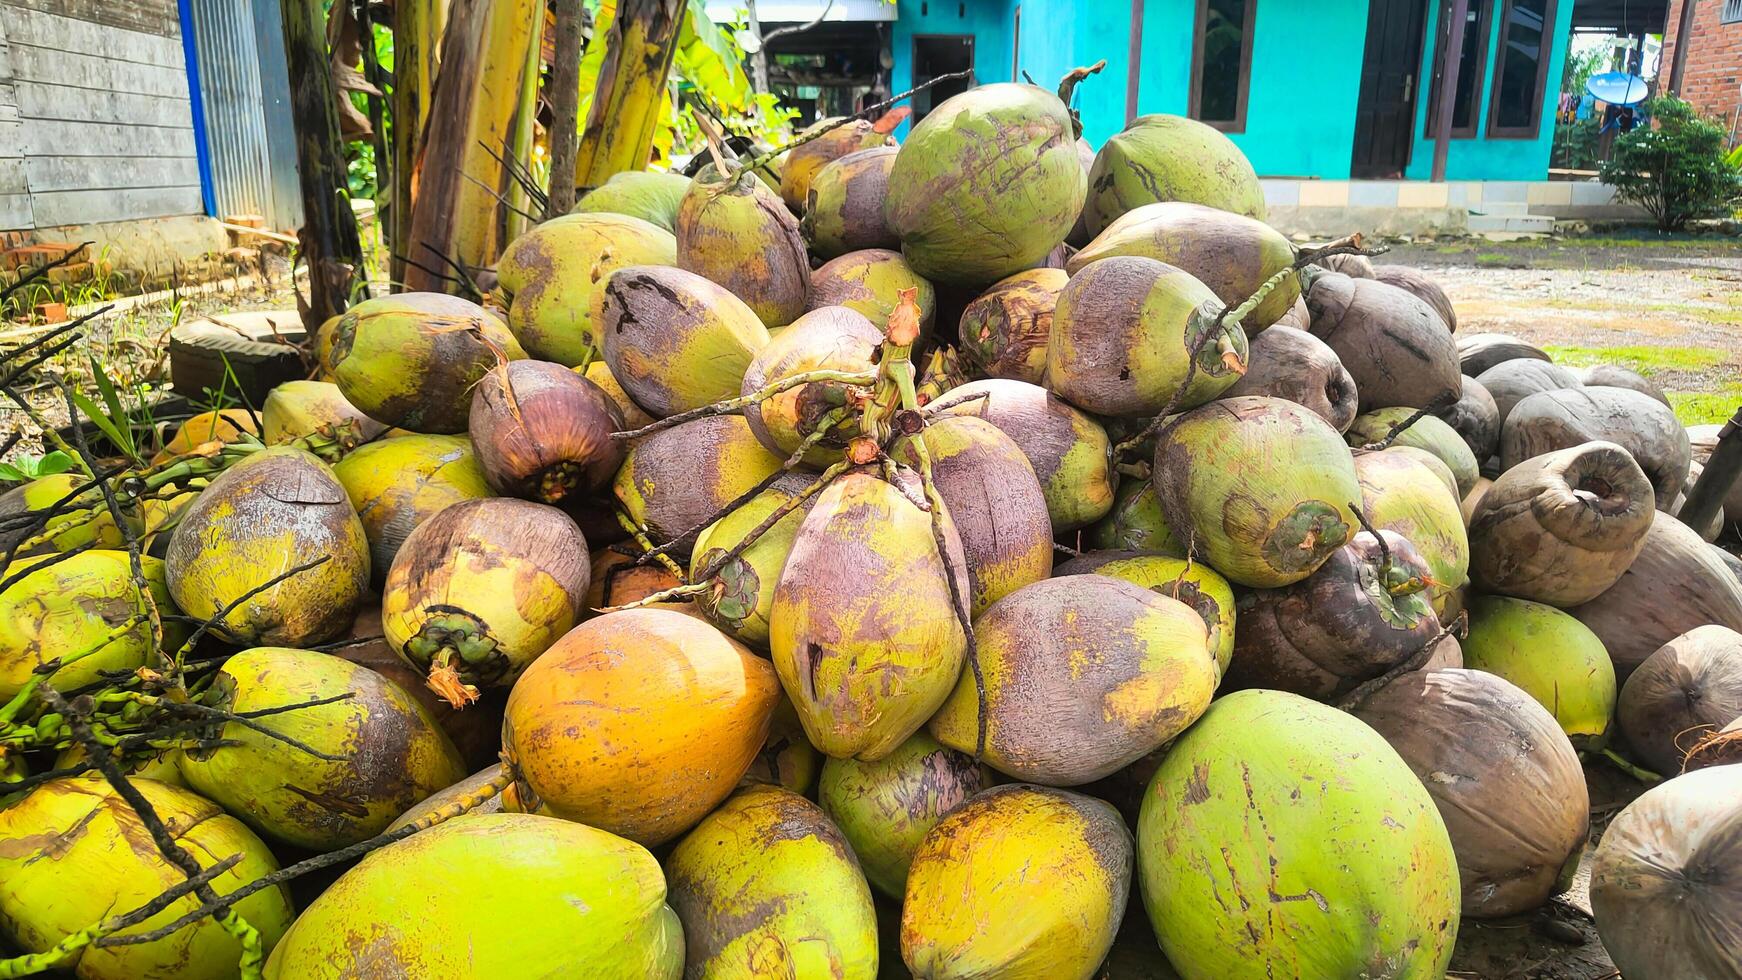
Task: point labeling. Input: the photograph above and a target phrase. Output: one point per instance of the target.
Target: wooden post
(565, 108)
(417, 31)
(630, 95)
(1133, 75)
(1453, 46)
(329, 231)
(1683, 36)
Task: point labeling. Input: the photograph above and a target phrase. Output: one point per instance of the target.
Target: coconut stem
(1621, 762)
(732, 406)
(444, 679)
(1354, 699)
(758, 162)
(639, 533)
(1444, 400)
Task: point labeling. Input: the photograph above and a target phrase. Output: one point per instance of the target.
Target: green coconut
(830, 338)
(743, 590)
(497, 895)
(651, 195)
(1230, 253)
(1193, 583)
(86, 521)
(1004, 331)
(296, 409)
(1432, 462)
(550, 277)
(1555, 658)
(1084, 675)
(1170, 158)
(1427, 432)
(863, 629)
(885, 808)
(1135, 523)
(1403, 495)
(843, 210)
(73, 853)
(676, 479)
(804, 162)
(736, 232)
(390, 753)
(987, 184)
(787, 758)
(1122, 336)
(1070, 451)
(1260, 487)
(994, 500)
(1283, 837)
(771, 850)
(1020, 881)
(674, 340)
(870, 281)
(395, 484)
(84, 612)
(410, 360)
(275, 510)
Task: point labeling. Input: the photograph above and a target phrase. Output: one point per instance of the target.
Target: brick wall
(1713, 80)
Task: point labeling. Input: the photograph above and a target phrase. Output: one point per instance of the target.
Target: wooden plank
(15, 212)
(151, 16)
(89, 207)
(13, 176)
(11, 139)
(46, 30)
(88, 71)
(98, 173)
(40, 100)
(76, 139)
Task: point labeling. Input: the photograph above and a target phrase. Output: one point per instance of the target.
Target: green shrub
(1676, 169)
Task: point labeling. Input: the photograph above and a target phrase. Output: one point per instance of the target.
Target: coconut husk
(1729, 560)
(1476, 417)
(800, 168)
(1159, 158)
(1005, 330)
(1395, 346)
(1663, 882)
(1674, 585)
(1477, 352)
(1562, 527)
(1512, 381)
(1720, 748)
(674, 340)
(1683, 692)
(1504, 776)
(1070, 451)
(1425, 287)
(1353, 266)
(1284, 362)
(676, 479)
(1637, 423)
(736, 232)
(542, 432)
(1616, 376)
(844, 207)
(1298, 316)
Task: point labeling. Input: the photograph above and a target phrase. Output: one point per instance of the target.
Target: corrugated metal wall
(245, 89)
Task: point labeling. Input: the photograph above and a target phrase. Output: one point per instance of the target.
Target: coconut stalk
(328, 236)
(418, 26)
(629, 97)
(460, 180)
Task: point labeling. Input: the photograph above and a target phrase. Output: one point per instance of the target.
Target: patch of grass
(1729, 315)
(1646, 360)
(1706, 407)
(1497, 260)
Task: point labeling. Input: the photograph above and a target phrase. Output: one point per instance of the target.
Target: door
(1385, 116)
(940, 54)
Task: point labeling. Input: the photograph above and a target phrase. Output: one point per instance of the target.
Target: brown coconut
(1363, 612)
(1637, 423)
(1284, 362)
(1004, 331)
(805, 161)
(1504, 776)
(1562, 527)
(1425, 287)
(1674, 585)
(543, 432)
(844, 207)
(1476, 418)
(1480, 351)
(736, 232)
(1688, 689)
(674, 340)
(1512, 381)
(1298, 316)
(675, 481)
(1353, 266)
(1393, 344)
(1616, 376)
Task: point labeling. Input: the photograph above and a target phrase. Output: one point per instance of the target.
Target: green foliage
(1575, 144)
(27, 468)
(1675, 169)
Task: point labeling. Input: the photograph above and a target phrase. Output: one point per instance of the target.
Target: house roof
(1621, 16)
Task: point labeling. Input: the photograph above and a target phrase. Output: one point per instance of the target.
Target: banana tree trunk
(517, 216)
(328, 235)
(417, 35)
(565, 99)
(630, 95)
(456, 207)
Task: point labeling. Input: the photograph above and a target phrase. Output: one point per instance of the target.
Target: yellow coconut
(771, 849)
(495, 895)
(885, 808)
(396, 484)
(616, 580)
(830, 338)
(674, 340)
(410, 360)
(73, 853)
(674, 481)
(870, 281)
(743, 589)
(1004, 331)
(736, 232)
(84, 520)
(804, 162)
(85, 612)
(1193, 583)
(1021, 881)
(551, 274)
(296, 409)
(863, 629)
(389, 751)
(1070, 452)
(600, 374)
(787, 758)
(638, 723)
(278, 509)
(226, 426)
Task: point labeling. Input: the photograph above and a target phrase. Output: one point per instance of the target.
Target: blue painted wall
(1302, 96)
(1482, 158)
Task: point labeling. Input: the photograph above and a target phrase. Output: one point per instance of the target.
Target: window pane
(1521, 55)
(1469, 75)
(1224, 27)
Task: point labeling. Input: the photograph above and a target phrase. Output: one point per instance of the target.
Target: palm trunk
(630, 96)
(565, 107)
(455, 211)
(417, 33)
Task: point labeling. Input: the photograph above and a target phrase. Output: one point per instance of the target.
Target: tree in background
(1675, 169)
